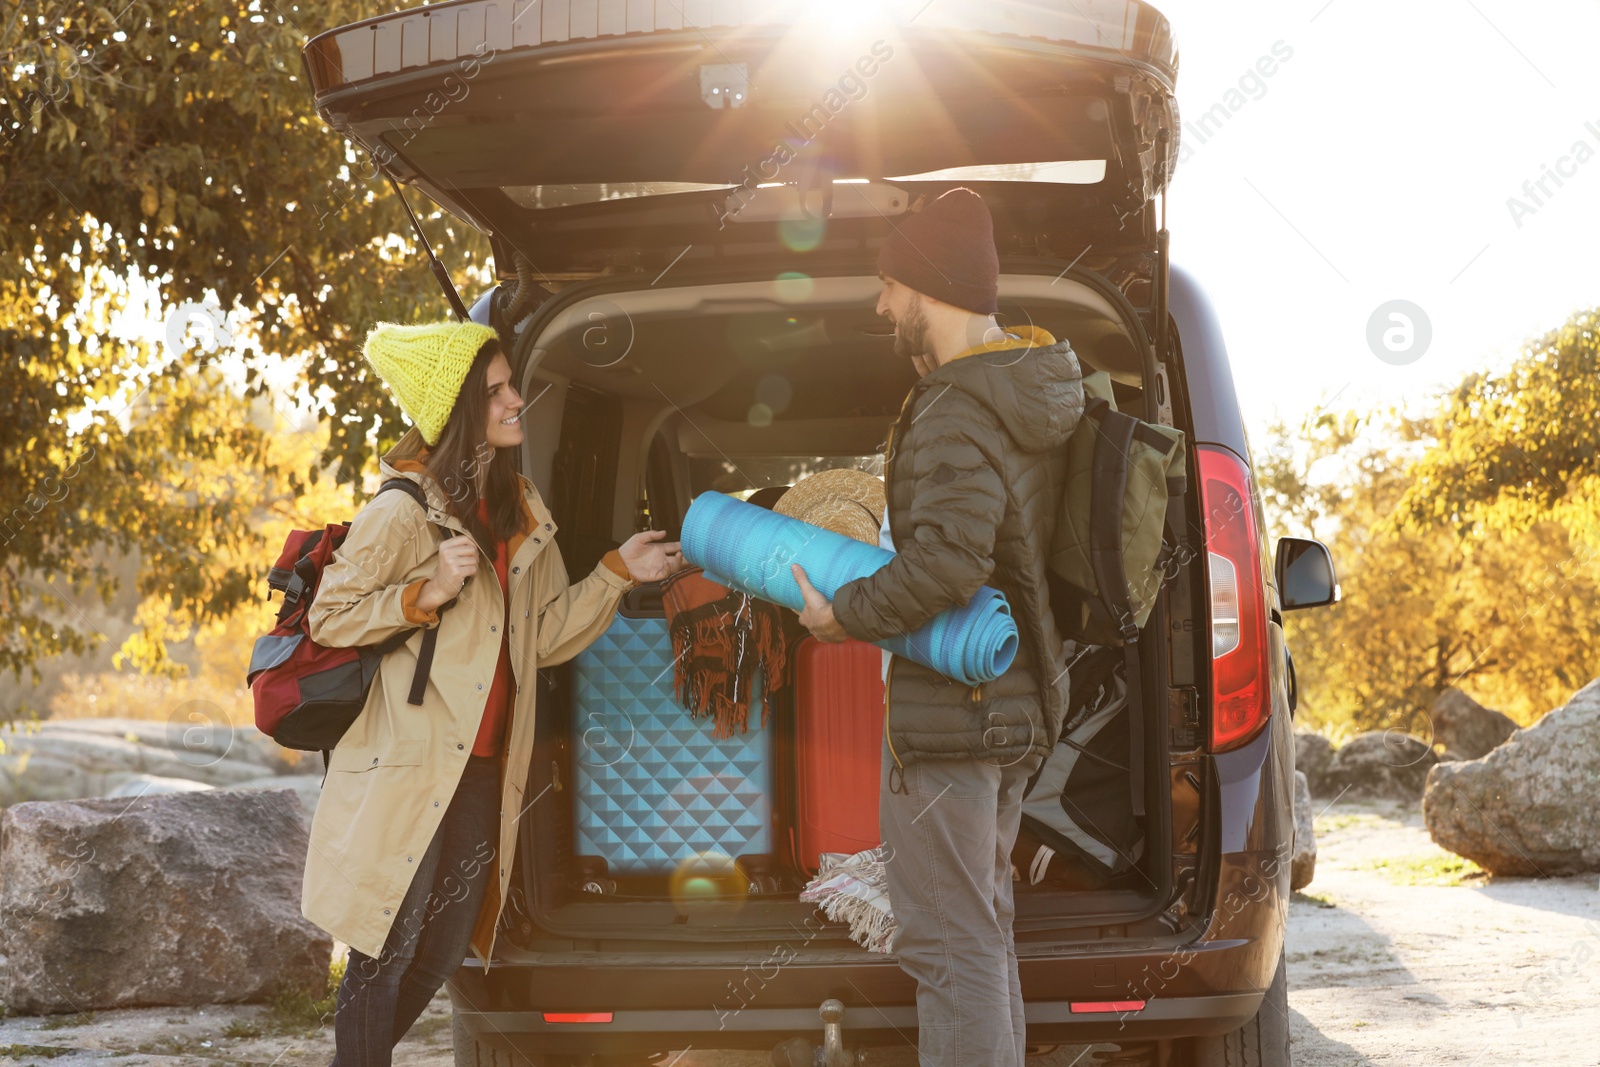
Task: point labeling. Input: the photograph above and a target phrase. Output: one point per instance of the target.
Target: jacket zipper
(888, 680)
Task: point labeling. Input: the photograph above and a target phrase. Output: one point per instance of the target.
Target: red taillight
(577, 1016)
(1078, 1007)
(1240, 694)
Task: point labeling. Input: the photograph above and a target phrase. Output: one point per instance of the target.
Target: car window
(548, 196)
(1062, 172)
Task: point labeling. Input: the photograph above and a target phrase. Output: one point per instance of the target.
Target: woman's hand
(651, 562)
(457, 561)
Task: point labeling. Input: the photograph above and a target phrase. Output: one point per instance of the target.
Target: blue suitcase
(653, 787)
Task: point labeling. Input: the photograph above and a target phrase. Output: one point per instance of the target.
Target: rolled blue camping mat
(749, 548)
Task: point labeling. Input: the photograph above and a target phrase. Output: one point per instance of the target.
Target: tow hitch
(798, 1052)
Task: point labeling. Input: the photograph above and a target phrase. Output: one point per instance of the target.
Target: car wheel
(1261, 1042)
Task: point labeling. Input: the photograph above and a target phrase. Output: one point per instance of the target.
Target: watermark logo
(804, 129)
(199, 733)
(1399, 332)
(598, 332)
(218, 328)
(55, 64)
(1536, 192)
(454, 89)
(1251, 85)
(607, 738)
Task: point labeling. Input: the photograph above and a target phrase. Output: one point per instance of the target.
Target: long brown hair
(461, 453)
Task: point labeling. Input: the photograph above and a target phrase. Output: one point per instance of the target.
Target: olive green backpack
(1108, 554)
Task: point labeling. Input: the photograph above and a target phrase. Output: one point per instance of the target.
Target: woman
(411, 844)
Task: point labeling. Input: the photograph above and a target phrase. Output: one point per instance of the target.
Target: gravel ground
(1397, 956)
(1386, 968)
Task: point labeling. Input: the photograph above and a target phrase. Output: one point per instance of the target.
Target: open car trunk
(649, 395)
(691, 199)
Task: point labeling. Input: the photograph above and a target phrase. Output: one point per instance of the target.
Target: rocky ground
(1399, 954)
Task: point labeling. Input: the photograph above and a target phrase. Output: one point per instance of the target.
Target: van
(685, 199)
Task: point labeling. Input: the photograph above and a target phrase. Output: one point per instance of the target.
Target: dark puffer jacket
(974, 470)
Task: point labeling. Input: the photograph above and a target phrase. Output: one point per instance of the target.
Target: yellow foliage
(1466, 545)
(130, 695)
(222, 644)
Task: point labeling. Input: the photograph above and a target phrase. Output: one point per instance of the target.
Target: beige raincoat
(393, 773)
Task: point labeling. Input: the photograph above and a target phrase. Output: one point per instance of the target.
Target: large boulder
(185, 898)
(308, 787)
(1384, 763)
(1465, 727)
(197, 731)
(1313, 754)
(150, 785)
(1303, 861)
(1532, 805)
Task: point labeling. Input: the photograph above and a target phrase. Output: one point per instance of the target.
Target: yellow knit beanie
(424, 366)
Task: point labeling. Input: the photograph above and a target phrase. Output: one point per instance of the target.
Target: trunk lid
(589, 134)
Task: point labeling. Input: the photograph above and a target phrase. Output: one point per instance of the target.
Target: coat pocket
(397, 753)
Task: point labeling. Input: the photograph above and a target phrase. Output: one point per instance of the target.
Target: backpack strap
(1112, 442)
(410, 488)
(430, 638)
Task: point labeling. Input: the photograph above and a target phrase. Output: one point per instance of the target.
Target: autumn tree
(1521, 447)
(1465, 543)
(172, 149)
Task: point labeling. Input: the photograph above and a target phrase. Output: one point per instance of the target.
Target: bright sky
(1375, 164)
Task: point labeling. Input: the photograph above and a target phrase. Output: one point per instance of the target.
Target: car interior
(658, 379)
(646, 398)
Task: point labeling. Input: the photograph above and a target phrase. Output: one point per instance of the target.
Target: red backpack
(306, 694)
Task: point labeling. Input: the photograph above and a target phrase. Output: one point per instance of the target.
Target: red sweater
(491, 731)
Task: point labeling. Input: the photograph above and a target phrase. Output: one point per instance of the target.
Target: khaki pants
(949, 873)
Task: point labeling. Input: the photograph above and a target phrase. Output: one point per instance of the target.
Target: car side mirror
(1304, 570)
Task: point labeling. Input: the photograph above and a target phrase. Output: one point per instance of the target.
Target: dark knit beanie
(946, 251)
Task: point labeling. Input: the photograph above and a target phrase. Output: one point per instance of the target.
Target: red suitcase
(838, 693)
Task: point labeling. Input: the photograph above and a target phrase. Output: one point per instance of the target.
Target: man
(973, 472)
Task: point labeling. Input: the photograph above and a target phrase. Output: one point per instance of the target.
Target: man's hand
(818, 615)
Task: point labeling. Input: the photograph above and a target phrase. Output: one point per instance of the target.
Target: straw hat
(848, 502)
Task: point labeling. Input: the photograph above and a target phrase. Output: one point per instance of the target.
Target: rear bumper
(527, 1032)
(1189, 985)
(1211, 985)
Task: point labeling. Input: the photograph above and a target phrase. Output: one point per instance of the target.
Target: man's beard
(911, 330)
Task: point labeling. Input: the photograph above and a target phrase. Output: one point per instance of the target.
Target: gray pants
(949, 838)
